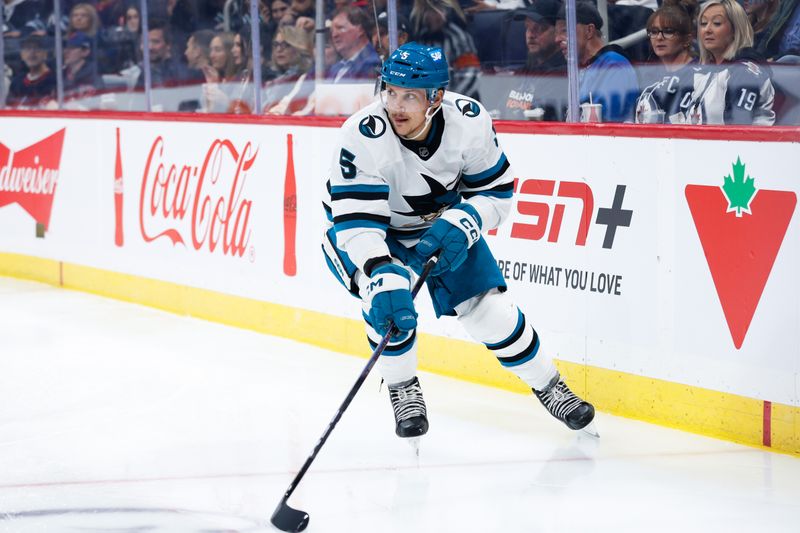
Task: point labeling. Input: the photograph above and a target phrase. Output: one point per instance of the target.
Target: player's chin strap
(432, 110)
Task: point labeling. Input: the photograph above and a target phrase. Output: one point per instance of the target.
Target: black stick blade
(287, 519)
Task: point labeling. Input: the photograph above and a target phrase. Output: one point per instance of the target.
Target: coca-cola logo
(199, 204)
(28, 177)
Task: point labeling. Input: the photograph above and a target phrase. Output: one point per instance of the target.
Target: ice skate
(409, 410)
(563, 404)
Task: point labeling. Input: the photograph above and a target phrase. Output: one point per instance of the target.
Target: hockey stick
(285, 517)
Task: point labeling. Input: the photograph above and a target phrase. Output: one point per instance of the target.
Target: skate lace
(560, 401)
(407, 401)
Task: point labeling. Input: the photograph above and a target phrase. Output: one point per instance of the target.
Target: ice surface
(117, 417)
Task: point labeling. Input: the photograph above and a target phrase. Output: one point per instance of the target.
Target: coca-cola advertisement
(201, 204)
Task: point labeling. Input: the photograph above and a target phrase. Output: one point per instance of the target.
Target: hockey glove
(389, 298)
(453, 233)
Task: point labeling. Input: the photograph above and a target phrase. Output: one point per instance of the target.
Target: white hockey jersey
(380, 184)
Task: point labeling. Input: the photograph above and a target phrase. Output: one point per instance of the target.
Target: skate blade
(414, 443)
(590, 430)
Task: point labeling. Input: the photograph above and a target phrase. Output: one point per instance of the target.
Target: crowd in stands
(711, 63)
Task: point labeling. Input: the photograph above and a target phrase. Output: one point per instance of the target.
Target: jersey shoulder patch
(372, 126)
(467, 107)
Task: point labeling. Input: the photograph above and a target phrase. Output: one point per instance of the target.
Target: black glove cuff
(375, 262)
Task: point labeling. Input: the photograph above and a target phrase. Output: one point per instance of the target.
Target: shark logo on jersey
(468, 108)
(430, 206)
(372, 126)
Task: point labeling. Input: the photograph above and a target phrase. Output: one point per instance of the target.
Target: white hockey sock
(497, 322)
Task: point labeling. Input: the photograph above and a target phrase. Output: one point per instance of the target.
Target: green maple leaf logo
(739, 190)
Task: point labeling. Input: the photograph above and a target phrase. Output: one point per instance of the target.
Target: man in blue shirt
(606, 75)
(351, 31)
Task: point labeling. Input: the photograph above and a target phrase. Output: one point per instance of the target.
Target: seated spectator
(220, 70)
(776, 28)
(80, 74)
(83, 18)
(380, 39)
(671, 30)
(165, 69)
(734, 86)
(197, 53)
(37, 83)
(122, 42)
(292, 59)
(442, 23)
(221, 67)
(279, 9)
(534, 90)
(23, 17)
(351, 30)
(606, 75)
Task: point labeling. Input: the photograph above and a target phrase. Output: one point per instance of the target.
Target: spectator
(23, 17)
(122, 43)
(80, 77)
(606, 75)
(221, 67)
(37, 83)
(133, 20)
(780, 36)
(541, 81)
(351, 29)
(732, 88)
(197, 52)
(441, 23)
(165, 69)
(220, 70)
(279, 9)
(292, 59)
(242, 56)
(83, 18)
(380, 39)
(671, 30)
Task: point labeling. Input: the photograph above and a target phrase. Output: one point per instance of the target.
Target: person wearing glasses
(292, 61)
(671, 31)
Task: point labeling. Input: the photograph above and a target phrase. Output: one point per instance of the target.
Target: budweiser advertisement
(29, 176)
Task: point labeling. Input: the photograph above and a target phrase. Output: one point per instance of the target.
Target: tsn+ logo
(541, 205)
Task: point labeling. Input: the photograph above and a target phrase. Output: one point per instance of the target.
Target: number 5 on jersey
(346, 164)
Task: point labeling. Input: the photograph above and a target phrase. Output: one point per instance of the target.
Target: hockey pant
(490, 317)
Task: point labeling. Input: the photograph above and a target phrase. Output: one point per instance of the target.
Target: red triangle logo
(740, 250)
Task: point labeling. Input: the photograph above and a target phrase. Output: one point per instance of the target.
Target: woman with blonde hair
(83, 17)
(734, 86)
(292, 62)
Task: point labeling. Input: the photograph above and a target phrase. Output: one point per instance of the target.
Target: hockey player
(417, 173)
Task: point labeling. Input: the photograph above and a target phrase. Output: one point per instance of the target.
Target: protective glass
(404, 100)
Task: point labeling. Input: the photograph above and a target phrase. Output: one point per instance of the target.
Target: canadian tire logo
(741, 229)
(29, 177)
